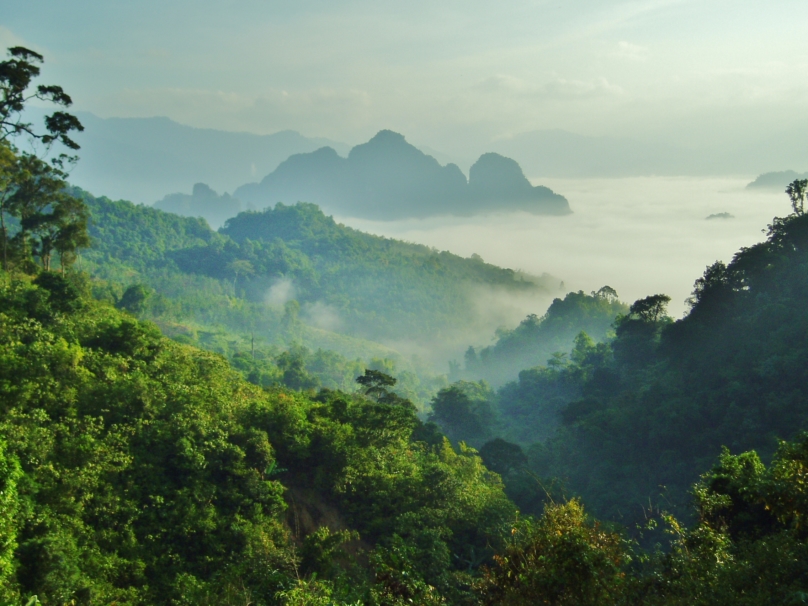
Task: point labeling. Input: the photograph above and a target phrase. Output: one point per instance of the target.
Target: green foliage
(749, 544)
(464, 412)
(537, 339)
(796, 192)
(562, 558)
(138, 479)
(10, 474)
(138, 470)
(44, 216)
(16, 76)
(134, 299)
(503, 457)
(632, 422)
(376, 288)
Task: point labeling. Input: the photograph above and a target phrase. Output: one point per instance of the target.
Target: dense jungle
(190, 416)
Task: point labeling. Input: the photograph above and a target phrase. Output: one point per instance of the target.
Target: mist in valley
(641, 236)
(459, 303)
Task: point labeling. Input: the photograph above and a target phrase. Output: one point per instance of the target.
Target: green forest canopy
(139, 470)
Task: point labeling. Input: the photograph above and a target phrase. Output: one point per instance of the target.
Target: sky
(451, 75)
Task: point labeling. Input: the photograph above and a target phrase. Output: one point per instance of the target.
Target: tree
(134, 299)
(50, 218)
(606, 292)
(463, 410)
(503, 457)
(293, 365)
(564, 558)
(16, 75)
(375, 384)
(239, 267)
(8, 161)
(796, 191)
(650, 309)
(26, 181)
(72, 234)
(10, 473)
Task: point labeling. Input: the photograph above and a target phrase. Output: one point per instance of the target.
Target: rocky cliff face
(203, 202)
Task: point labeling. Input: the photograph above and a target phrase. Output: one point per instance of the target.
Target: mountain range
(143, 159)
(388, 178)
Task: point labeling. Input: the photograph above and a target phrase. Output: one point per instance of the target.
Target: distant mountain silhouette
(776, 180)
(141, 159)
(203, 202)
(387, 178)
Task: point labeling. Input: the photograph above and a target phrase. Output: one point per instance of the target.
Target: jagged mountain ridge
(388, 178)
(143, 159)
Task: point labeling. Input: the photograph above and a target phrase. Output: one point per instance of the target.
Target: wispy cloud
(632, 52)
(554, 88)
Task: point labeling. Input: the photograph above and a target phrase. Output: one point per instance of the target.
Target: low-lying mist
(639, 235)
(493, 308)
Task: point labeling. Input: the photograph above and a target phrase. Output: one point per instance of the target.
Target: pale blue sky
(452, 75)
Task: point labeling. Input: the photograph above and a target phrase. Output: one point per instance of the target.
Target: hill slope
(135, 470)
(411, 297)
(651, 408)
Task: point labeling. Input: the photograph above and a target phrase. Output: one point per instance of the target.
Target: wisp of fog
(641, 236)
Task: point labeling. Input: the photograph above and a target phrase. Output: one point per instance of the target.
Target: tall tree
(16, 76)
(796, 191)
(38, 189)
(30, 189)
(8, 162)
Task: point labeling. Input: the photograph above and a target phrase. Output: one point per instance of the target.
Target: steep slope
(135, 470)
(653, 408)
(534, 341)
(410, 297)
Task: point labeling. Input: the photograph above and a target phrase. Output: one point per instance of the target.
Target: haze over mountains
(203, 202)
(143, 159)
(563, 154)
(387, 178)
(776, 181)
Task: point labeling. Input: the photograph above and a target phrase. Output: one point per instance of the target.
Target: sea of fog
(641, 236)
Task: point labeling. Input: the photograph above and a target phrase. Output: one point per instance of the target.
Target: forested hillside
(538, 339)
(671, 393)
(137, 470)
(629, 423)
(370, 287)
(141, 470)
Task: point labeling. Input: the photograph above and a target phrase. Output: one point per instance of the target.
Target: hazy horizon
(716, 79)
(636, 91)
